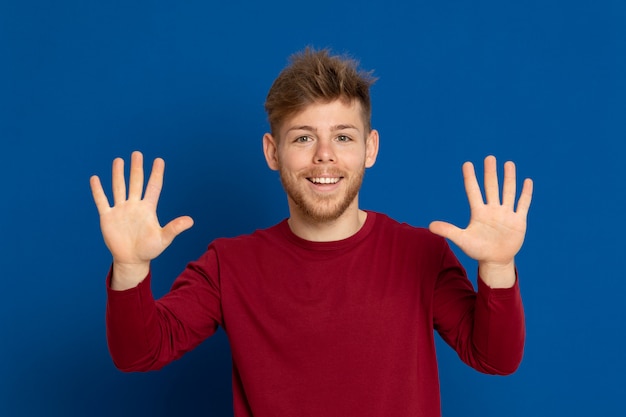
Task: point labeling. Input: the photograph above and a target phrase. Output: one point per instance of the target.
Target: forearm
(133, 332)
(499, 329)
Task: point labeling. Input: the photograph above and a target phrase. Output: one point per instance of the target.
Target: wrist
(497, 275)
(126, 276)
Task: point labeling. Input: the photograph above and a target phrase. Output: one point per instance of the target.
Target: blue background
(539, 82)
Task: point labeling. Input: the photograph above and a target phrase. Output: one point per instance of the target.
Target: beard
(318, 207)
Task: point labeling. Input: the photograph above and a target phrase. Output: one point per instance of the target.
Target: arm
(487, 329)
(136, 330)
(144, 334)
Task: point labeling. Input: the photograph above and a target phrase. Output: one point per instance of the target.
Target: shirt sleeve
(486, 328)
(146, 334)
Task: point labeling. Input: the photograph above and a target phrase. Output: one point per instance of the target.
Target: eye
(302, 139)
(343, 138)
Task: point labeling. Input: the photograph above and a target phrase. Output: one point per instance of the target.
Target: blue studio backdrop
(81, 82)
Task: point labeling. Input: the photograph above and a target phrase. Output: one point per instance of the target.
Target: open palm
(497, 228)
(130, 228)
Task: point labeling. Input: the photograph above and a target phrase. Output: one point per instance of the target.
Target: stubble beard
(316, 207)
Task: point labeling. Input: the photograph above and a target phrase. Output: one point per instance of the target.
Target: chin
(322, 211)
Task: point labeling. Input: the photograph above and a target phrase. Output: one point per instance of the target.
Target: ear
(270, 149)
(371, 148)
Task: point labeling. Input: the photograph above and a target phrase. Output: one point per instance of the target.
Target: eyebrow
(333, 128)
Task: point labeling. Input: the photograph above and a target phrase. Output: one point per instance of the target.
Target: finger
(509, 186)
(118, 181)
(135, 182)
(523, 204)
(99, 197)
(492, 190)
(472, 189)
(155, 182)
(176, 227)
(445, 229)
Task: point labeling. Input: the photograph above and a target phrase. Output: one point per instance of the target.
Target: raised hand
(130, 228)
(497, 228)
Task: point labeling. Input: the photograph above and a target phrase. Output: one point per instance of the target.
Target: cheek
(355, 160)
(293, 161)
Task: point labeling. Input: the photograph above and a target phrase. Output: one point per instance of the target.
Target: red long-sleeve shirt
(339, 328)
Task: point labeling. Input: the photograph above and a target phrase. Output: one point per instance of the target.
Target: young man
(330, 312)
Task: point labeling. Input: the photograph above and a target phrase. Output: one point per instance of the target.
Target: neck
(343, 227)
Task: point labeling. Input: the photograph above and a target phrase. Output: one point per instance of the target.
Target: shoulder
(256, 239)
(402, 237)
(387, 225)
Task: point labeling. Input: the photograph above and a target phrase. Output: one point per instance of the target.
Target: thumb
(444, 229)
(176, 227)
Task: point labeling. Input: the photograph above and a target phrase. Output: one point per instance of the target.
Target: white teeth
(324, 180)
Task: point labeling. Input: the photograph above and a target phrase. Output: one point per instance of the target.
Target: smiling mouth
(324, 180)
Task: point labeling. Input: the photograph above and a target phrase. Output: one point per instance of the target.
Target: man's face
(321, 154)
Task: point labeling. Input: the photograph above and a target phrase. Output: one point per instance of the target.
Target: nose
(324, 151)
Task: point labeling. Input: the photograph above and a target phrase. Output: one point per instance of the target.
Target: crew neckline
(367, 227)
